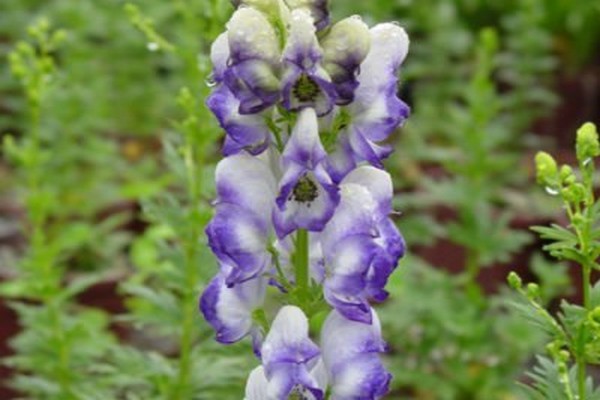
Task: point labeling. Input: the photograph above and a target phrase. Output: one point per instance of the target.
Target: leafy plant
(574, 331)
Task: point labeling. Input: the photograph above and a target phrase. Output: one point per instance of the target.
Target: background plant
(573, 332)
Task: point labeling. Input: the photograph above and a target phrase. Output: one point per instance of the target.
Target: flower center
(299, 393)
(305, 191)
(305, 88)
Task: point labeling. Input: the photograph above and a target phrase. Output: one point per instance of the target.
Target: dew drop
(551, 191)
(152, 46)
(210, 81)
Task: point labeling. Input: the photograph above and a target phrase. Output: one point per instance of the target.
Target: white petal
(247, 181)
(252, 36)
(378, 182)
(290, 327)
(348, 40)
(256, 387)
(336, 352)
(219, 54)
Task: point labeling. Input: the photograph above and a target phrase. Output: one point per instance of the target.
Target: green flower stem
(301, 265)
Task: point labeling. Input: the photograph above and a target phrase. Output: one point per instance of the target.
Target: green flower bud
(533, 291)
(514, 280)
(566, 175)
(587, 145)
(546, 168)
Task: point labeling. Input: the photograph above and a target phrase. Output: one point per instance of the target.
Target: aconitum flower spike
(289, 357)
(307, 197)
(240, 230)
(351, 354)
(253, 60)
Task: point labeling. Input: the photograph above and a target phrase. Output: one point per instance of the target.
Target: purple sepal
(244, 132)
(229, 310)
(354, 366)
(307, 196)
(305, 83)
(254, 54)
(288, 355)
(239, 232)
(376, 110)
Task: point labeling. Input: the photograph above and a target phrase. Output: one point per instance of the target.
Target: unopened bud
(587, 145)
(546, 169)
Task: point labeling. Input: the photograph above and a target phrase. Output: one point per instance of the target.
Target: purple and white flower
(318, 10)
(344, 49)
(244, 131)
(240, 231)
(351, 354)
(376, 110)
(361, 245)
(229, 310)
(290, 361)
(253, 64)
(305, 83)
(307, 196)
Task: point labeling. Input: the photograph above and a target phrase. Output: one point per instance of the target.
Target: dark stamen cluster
(305, 191)
(305, 89)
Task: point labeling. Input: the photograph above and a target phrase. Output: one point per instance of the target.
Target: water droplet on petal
(152, 46)
(210, 81)
(551, 191)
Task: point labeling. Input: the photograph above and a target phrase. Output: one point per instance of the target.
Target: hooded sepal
(305, 82)
(252, 72)
(376, 110)
(239, 232)
(229, 310)
(353, 363)
(345, 47)
(289, 356)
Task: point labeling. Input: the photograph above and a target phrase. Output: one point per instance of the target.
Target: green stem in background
(301, 260)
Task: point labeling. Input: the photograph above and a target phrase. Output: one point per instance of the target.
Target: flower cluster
(303, 203)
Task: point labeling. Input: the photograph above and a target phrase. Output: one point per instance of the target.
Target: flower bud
(546, 169)
(318, 9)
(344, 49)
(254, 60)
(274, 9)
(533, 291)
(514, 280)
(587, 145)
(566, 175)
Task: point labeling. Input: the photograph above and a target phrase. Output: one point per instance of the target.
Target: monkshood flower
(305, 81)
(253, 62)
(289, 359)
(239, 232)
(307, 196)
(360, 244)
(244, 131)
(376, 110)
(351, 354)
(347, 365)
(230, 310)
